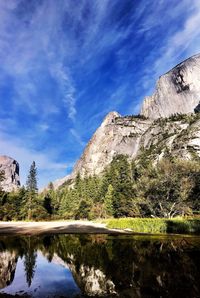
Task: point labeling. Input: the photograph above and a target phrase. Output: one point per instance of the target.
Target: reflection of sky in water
(130, 266)
(49, 278)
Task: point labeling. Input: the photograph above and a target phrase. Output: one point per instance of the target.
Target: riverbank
(156, 225)
(108, 226)
(56, 227)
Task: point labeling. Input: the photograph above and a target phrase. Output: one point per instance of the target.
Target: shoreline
(56, 227)
(121, 226)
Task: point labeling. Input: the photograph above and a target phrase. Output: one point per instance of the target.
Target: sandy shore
(56, 227)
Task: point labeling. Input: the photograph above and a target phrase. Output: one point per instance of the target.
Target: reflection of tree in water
(30, 261)
(132, 267)
(137, 267)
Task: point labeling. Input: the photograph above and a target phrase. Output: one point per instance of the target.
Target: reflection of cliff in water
(134, 268)
(116, 266)
(90, 280)
(8, 262)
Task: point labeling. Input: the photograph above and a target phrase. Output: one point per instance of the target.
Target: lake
(99, 266)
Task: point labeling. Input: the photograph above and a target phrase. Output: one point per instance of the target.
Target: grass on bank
(156, 225)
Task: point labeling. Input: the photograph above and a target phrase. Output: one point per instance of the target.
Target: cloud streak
(185, 40)
(77, 137)
(66, 85)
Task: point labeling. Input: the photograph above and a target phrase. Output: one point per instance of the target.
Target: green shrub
(156, 225)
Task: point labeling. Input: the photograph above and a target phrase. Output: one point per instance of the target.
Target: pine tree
(47, 203)
(50, 186)
(119, 176)
(31, 182)
(32, 189)
(83, 210)
(108, 201)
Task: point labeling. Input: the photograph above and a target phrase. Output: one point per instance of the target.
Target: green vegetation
(184, 118)
(136, 189)
(138, 116)
(30, 206)
(24, 204)
(1, 177)
(156, 225)
(139, 225)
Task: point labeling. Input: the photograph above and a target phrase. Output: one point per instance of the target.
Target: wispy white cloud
(28, 50)
(177, 46)
(66, 85)
(185, 40)
(77, 137)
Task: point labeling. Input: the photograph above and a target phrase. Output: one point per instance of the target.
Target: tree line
(125, 189)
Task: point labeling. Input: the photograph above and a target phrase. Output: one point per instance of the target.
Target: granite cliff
(129, 135)
(169, 122)
(178, 91)
(10, 167)
(116, 135)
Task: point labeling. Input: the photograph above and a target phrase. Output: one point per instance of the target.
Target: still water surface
(99, 266)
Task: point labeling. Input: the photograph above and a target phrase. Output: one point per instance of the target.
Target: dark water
(99, 266)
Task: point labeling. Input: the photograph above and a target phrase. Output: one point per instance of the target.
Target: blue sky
(64, 64)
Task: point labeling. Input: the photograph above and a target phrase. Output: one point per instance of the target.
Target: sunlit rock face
(180, 138)
(8, 263)
(130, 136)
(116, 135)
(11, 172)
(178, 91)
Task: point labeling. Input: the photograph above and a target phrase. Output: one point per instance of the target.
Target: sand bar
(56, 227)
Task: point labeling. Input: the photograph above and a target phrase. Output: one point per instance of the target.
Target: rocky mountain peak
(109, 118)
(177, 91)
(11, 172)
